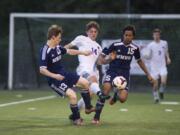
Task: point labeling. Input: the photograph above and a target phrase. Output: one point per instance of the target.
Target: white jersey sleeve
(78, 41)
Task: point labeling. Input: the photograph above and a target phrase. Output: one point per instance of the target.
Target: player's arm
(143, 67)
(168, 60)
(77, 52)
(108, 55)
(106, 59)
(47, 73)
(68, 46)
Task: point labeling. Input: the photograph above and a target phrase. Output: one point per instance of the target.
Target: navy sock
(99, 107)
(75, 111)
(87, 100)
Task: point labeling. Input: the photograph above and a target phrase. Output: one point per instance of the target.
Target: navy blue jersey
(124, 57)
(50, 58)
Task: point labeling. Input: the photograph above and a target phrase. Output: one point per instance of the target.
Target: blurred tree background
(73, 6)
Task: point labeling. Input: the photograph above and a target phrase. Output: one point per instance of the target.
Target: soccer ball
(120, 82)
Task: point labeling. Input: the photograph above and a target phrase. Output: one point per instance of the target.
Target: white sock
(81, 104)
(94, 87)
(156, 95)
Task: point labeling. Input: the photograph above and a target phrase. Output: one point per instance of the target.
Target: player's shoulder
(117, 43)
(44, 49)
(152, 43)
(80, 37)
(163, 42)
(133, 45)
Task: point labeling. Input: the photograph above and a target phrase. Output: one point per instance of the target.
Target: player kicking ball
(119, 56)
(58, 78)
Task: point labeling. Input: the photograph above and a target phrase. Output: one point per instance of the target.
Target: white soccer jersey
(158, 53)
(158, 57)
(87, 63)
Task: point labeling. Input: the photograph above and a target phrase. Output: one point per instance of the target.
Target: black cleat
(161, 94)
(156, 101)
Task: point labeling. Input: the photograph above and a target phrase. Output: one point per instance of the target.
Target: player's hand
(86, 53)
(58, 77)
(113, 55)
(151, 80)
(168, 61)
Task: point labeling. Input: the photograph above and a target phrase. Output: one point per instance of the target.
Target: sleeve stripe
(44, 52)
(42, 67)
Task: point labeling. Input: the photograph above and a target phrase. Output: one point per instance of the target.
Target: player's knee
(122, 99)
(86, 84)
(73, 97)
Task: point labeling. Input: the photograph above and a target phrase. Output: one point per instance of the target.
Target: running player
(87, 64)
(159, 59)
(58, 78)
(119, 55)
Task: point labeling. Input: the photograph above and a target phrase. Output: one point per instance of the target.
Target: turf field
(48, 116)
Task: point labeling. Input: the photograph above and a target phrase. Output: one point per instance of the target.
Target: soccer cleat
(78, 122)
(113, 99)
(156, 101)
(88, 111)
(95, 122)
(161, 94)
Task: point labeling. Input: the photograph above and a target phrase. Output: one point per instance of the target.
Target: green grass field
(50, 117)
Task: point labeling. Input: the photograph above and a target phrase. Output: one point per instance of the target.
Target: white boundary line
(27, 101)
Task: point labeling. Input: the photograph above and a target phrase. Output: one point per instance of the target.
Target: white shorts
(87, 73)
(158, 72)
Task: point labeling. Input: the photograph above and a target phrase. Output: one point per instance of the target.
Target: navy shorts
(68, 82)
(110, 75)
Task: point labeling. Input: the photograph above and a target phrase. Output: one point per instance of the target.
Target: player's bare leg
(100, 103)
(162, 86)
(74, 108)
(155, 91)
(84, 84)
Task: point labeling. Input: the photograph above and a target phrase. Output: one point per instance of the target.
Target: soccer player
(87, 64)
(58, 78)
(159, 58)
(119, 56)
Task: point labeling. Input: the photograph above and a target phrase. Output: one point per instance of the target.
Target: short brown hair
(129, 28)
(92, 24)
(157, 30)
(54, 30)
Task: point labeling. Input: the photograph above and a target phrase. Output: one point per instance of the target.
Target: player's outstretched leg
(73, 106)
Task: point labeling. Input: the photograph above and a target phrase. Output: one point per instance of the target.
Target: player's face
(92, 33)
(156, 36)
(57, 39)
(128, 37)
